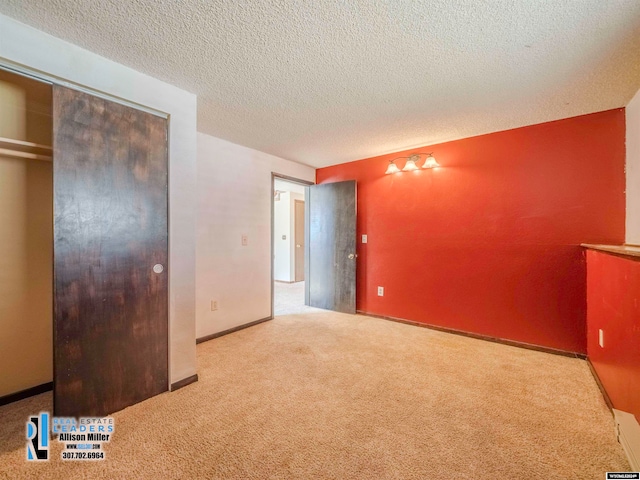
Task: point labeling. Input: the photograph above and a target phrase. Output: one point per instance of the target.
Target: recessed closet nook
(26, 234)
(83, 247)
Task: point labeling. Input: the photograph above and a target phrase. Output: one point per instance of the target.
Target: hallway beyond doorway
(289, 299)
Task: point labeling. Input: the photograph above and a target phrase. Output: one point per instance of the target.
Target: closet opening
(83, 248)
(26, 237)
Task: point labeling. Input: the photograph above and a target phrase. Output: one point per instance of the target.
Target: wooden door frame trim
(24, 71)
(286, 178)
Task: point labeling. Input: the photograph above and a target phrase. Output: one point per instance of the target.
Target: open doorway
(288, 237)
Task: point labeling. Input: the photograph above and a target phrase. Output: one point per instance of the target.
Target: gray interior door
(330, 253)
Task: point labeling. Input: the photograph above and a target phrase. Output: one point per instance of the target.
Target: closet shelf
(21, 149)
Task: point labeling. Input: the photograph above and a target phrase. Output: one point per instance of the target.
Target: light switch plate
(245, 240)
(364, 239)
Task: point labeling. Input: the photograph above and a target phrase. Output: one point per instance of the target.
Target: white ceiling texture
(328, 81)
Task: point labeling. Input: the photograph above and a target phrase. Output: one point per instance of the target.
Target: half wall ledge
(626, 250)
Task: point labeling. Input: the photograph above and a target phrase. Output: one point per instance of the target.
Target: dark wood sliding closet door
(110, 230)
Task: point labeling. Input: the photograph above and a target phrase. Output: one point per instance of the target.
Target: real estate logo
(38, 437)
(82, 438)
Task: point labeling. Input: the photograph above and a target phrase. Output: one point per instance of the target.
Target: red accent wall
(489, 243)
(613, 305)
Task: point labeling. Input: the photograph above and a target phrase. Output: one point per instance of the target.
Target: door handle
(298, 246)
(352, 256)
(158, 268)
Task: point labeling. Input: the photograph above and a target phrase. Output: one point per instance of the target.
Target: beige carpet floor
(325, 395)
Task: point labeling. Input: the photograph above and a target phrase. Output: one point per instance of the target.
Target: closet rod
(10, 142)
(31, 156)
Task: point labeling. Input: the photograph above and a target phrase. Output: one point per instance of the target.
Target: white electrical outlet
(364, 239)
(214, 305)
(381, 291)
(601, 338)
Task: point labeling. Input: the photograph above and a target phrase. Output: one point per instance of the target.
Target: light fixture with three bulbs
(410, 165)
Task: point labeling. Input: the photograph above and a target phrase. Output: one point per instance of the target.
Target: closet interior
(26, 234)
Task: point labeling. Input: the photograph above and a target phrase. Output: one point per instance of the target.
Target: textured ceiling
(327, 81)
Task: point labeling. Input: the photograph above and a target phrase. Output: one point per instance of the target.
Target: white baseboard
(628, 431)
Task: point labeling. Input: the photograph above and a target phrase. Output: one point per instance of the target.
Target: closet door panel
(110, 230)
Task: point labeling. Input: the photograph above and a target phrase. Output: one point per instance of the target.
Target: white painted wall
(235, 198)
(633, 171)
(24, 46)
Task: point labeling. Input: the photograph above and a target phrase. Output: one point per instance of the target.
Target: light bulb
(411, 164)
(392, 168)
(430, 162)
